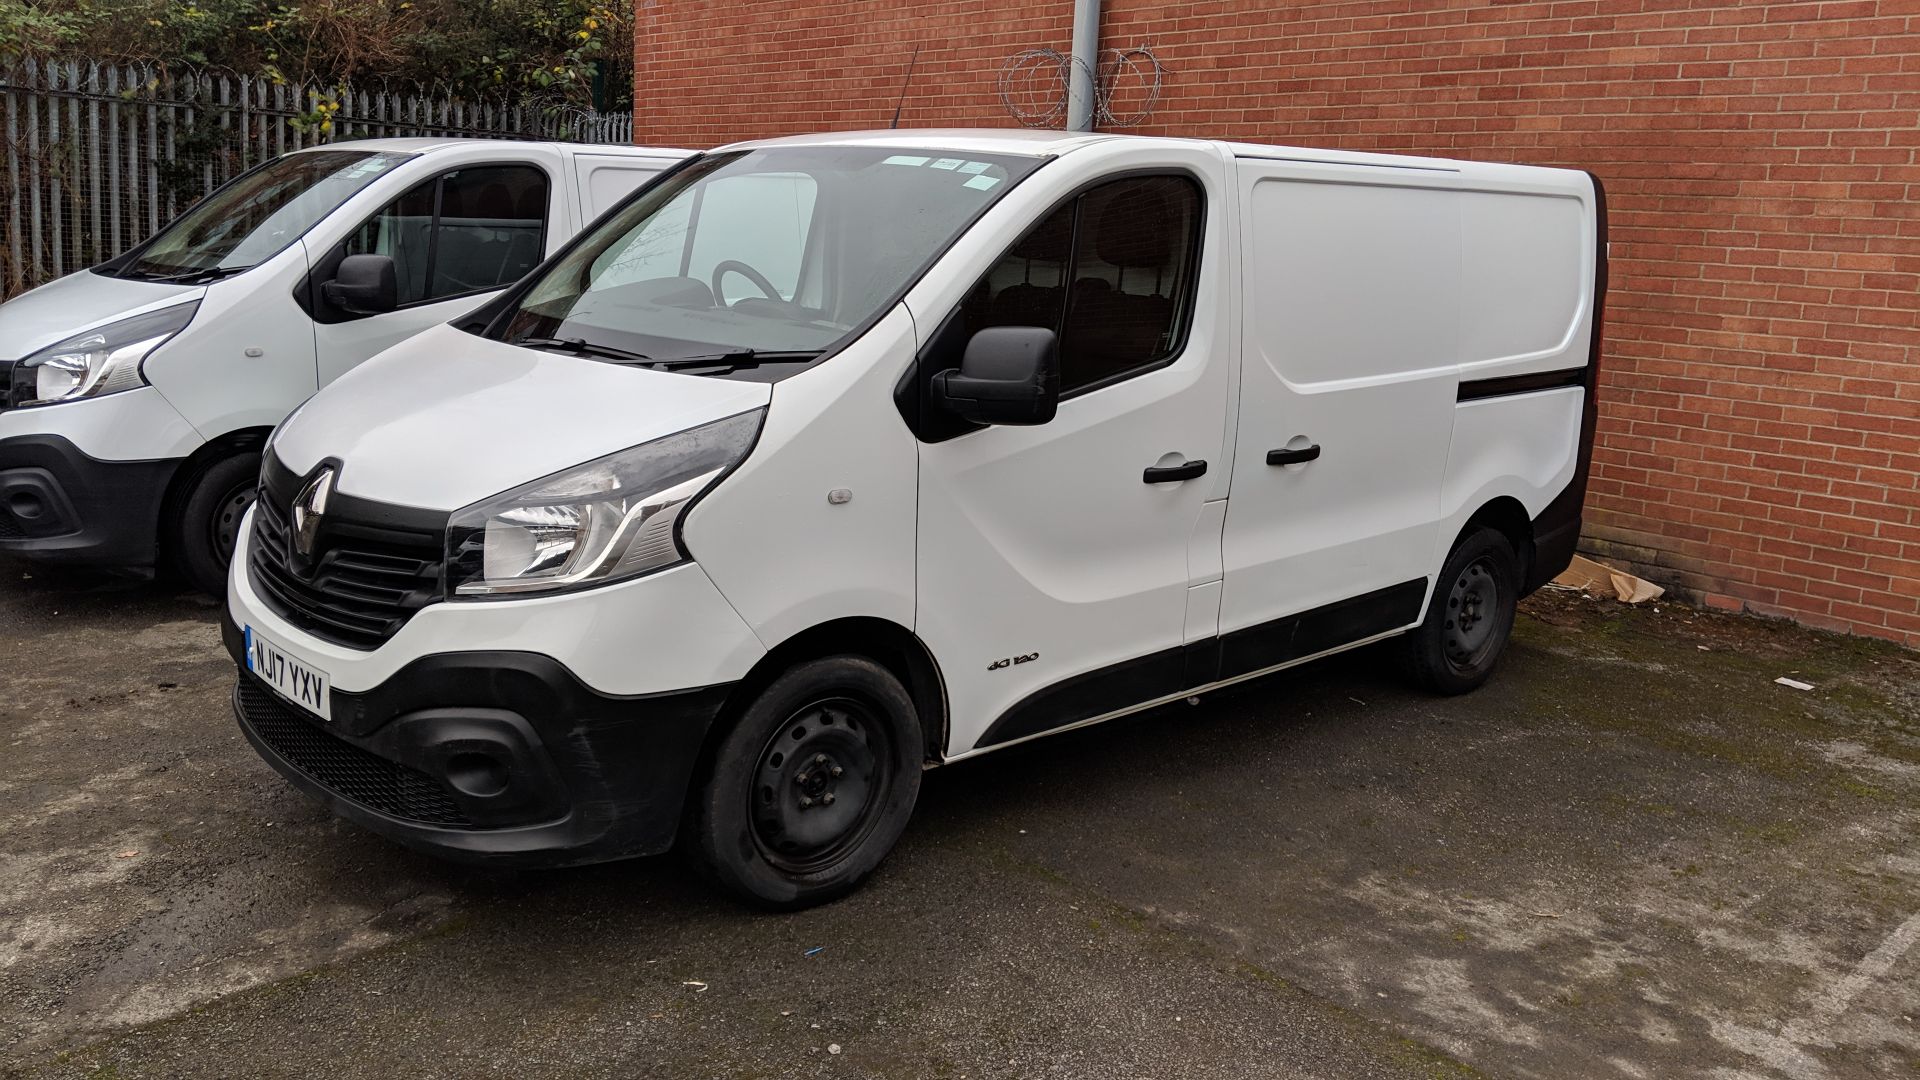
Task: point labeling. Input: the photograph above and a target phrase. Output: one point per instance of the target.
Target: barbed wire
(1034, 84)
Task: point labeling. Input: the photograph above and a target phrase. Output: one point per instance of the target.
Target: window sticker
(948, 163)
(905, 159)
(983, 183)
(974, 168)
(367, 167)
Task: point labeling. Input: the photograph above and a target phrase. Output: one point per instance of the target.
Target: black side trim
(1092, 694)
(1557, 530)
(1168, 672)
(1342, 622)
(1531, 382)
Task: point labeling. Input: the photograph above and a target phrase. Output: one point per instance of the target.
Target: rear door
(1054, 560)
(1347, 382)
(455, 238)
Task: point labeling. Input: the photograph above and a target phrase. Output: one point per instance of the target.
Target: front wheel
(206, 526)
(811, 787)
(1470, 618)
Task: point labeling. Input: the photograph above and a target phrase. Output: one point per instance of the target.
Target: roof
(1032, 142)
(427, 146)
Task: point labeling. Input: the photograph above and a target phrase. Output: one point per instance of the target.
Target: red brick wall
(1760, 410)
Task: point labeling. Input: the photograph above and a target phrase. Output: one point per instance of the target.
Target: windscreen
(258, 214)
(779, 250)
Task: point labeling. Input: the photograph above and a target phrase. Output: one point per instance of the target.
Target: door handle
(1293, 457)
(1173, 474)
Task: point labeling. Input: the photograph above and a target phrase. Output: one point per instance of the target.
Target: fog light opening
(475, 774)
(26, 507)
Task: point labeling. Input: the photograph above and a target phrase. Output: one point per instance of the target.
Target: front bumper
(504, 758)
(57, 504)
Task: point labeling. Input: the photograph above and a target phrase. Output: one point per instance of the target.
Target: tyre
(811, 787)
(1468, 622)
(206, 524)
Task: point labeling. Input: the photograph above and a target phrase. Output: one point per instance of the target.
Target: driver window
(761, 220)
(400, 231)
(464, 232)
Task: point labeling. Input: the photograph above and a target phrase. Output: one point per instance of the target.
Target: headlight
(105, 360)
(610, 519)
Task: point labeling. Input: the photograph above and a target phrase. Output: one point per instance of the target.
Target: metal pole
(1086, 56)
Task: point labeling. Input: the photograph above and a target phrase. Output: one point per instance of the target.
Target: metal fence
(100, 156)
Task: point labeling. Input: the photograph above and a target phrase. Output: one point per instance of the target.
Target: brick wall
(1760, 413)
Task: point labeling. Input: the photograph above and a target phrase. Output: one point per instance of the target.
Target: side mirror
(364, 285)
(1008, 375)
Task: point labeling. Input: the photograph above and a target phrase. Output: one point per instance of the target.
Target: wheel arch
(237, 441)
(1505, 515)
(887, 643)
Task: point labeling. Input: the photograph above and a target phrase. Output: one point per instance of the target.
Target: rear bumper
(503, 758)
(1553, 549)
(59, 505)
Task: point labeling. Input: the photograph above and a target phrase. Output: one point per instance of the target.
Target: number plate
(297, 681)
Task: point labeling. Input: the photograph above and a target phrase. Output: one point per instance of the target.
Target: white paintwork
(78, 302)
(448, 418)
(669, 631)
(1370, 294)
(134, 426)
(602, 180)
(1342, 298)
(1044, 540)
(251, 354)
(831, 428)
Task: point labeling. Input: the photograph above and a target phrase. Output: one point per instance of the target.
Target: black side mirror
(1008, 375)
(364, 285)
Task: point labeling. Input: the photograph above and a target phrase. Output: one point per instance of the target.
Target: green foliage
(558, 51)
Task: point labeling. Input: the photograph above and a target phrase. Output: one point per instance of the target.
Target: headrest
(1138, 226)
(1048, 241)
(531, 203)
(493, 200)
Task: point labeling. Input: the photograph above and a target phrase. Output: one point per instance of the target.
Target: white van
(134, 398)
(824, 460)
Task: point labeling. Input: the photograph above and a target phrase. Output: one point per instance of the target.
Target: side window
(492, 221)
(401, 231)
(462, 232)
(1111, 272)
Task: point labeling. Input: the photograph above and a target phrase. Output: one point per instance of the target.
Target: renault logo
(308, 507)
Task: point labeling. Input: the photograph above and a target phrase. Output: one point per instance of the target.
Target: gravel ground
(1632, 855)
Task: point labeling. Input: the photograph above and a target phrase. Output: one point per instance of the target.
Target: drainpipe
(1086, 55)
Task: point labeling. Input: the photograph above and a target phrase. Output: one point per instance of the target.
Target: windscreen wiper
(733, 359)
(199, 277)
(584, 348)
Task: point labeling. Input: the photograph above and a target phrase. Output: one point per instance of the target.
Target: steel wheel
(224, 528)
(818, 785)
(1473, 605)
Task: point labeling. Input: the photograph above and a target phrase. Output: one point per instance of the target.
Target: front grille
(362, 582)
(9, 530)
(341, 767)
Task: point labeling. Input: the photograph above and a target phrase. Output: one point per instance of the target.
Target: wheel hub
(816, 781)
(816, 784)
(1472, 603)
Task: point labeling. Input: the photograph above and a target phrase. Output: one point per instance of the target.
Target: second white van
(134, 397)
(825, 460)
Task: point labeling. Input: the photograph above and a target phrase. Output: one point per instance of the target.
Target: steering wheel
(735, 266)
